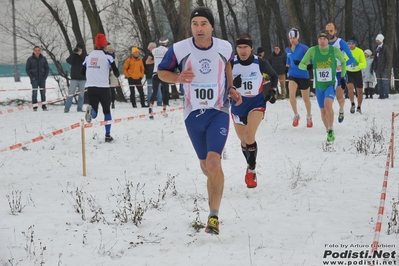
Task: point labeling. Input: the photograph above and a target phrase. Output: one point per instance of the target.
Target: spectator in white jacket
(368, 75)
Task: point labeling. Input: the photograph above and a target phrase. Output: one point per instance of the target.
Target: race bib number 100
(324, 74)
(203, 95)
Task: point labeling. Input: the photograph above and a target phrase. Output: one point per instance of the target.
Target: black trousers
(155, 87)
(100, 96)
(136, 83)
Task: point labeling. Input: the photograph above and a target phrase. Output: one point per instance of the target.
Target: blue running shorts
(208, 130)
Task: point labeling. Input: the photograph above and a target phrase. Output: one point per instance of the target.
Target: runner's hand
(343, 83)
(270, 96)
(237, 81)
(236, 96)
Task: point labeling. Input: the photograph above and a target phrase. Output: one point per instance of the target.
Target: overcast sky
(7, 54)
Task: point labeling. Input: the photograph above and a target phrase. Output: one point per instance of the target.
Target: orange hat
(135, 49)
(100, 41)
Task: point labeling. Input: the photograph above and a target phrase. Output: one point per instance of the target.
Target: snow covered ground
(308, 202)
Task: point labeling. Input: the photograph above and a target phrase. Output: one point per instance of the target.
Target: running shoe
(295, 122)
(151, 116)
(330, 135)
(212, 226)
(88, 114)
(309, 122)
(359, 110)
(108, 138)
(250, 178)
(353, 107)
(341, 117)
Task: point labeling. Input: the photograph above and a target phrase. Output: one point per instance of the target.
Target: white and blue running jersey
(343, 46)
(158, 54)
(208, 88)
(97, 65)
(252, 79)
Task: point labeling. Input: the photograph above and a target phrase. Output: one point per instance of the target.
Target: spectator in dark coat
(37, 69)
(76, 60)
(277, 60)
(380, 66)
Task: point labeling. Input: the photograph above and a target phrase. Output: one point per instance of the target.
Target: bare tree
(223, 27)
(264, 18)
(233, 15)
(348, 19)
(93, 16)
(296, 14)
(139, 14)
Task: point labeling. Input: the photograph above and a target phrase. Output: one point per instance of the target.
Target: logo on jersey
(205, 66)
(93, 61)
(253, 74)
(223, 131)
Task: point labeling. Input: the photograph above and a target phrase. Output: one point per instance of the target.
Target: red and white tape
(30, 106)
(130, 118)
(89, 125)
(26, 89)
(41, 137)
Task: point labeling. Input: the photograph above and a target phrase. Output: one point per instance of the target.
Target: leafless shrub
(128, 207)
(197, 224)
(393, 223)
(14, 201)
(372, 142)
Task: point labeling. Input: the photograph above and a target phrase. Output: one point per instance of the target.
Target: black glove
(296, 62)
(343, 83)
(309, 67)
(237, 81)
(286, 70)
(270, 96)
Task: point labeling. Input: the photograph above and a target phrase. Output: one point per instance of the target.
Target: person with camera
(76, 60)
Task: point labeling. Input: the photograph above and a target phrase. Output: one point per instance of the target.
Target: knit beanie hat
(354, 40)
(293, 33)
(135, 49)
(259, 50)
(202, 11)
(368, 51)
(80, 46)
(110, 49)
(323, 33)
(100, 41)
(379, 37)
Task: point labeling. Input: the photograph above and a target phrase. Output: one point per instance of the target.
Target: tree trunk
(184, 15)
(281, 31)
(348, 19)
(264, 18)
(140, 16)
(389, 33)
(312, 23)
(331, 10)
(234, 17)
(157, 30)
(93, 17)
(296, 15)
(75, 24)
(173, 18)
(223, 27)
